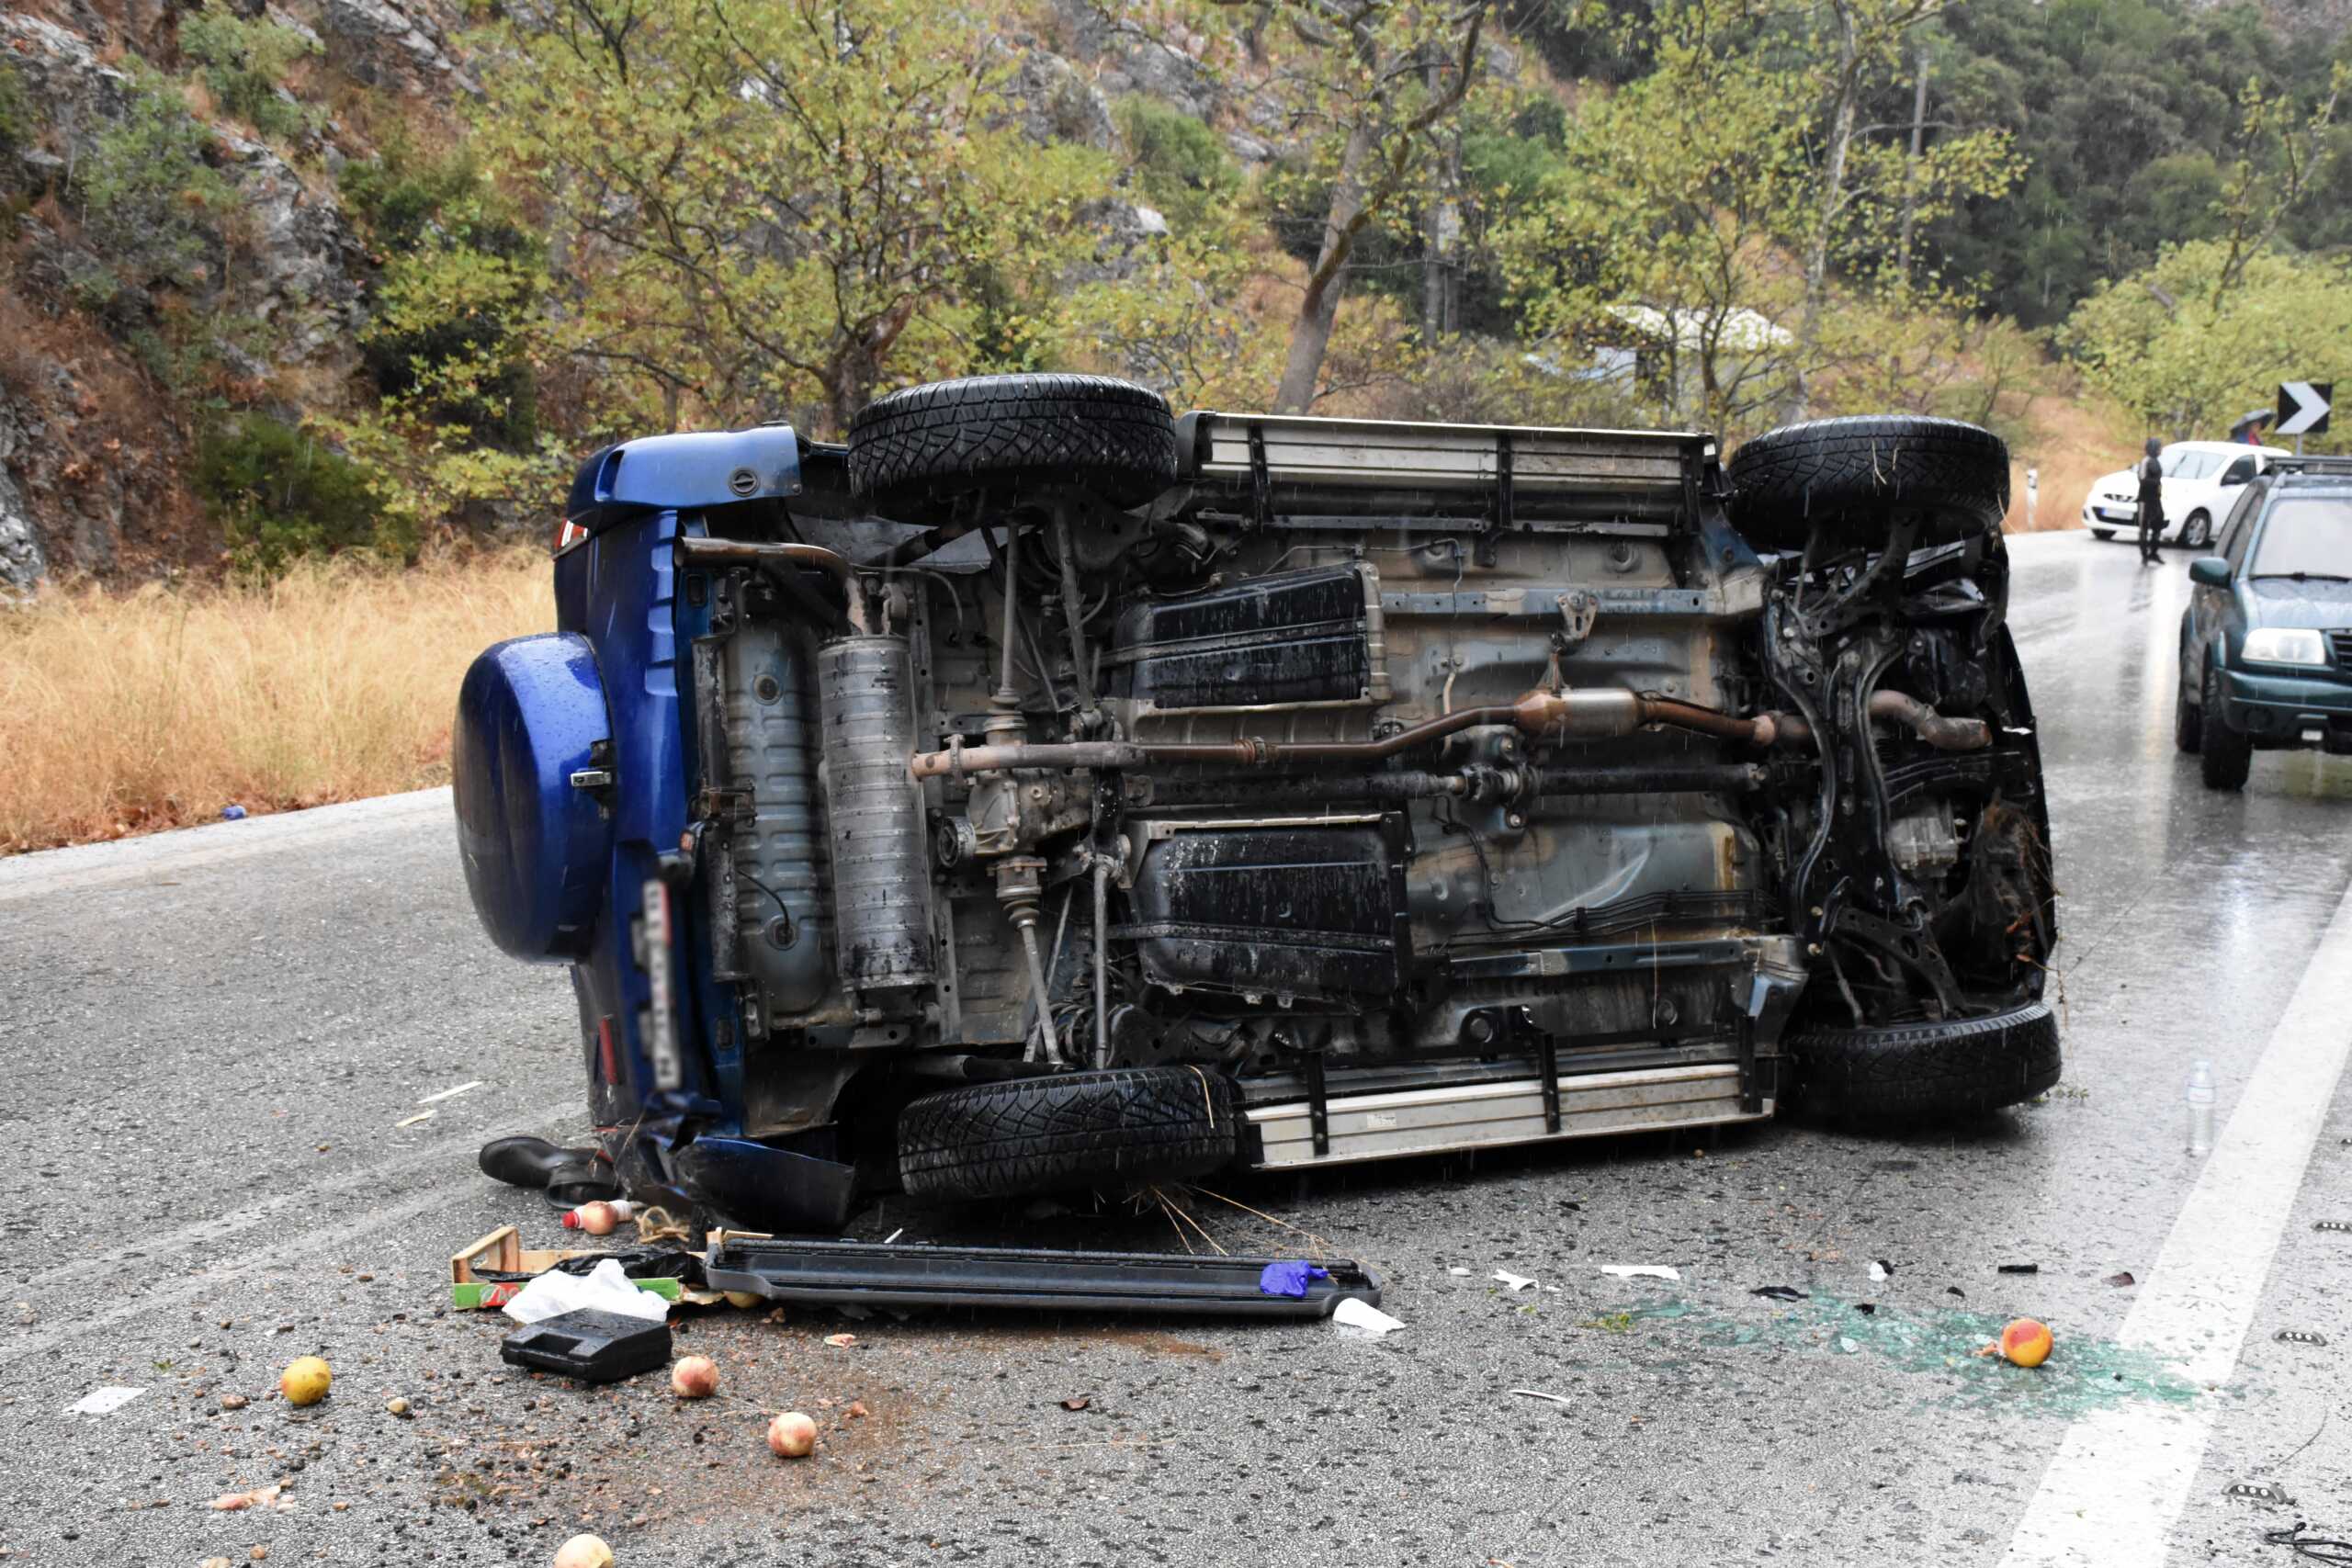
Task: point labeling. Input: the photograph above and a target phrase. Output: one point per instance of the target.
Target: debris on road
(305, 1380)
(1539, 1394)
(492, 1270)
(105, 1401)
(1955, 1291)
(603, 1287)
(234, 1402)
(1511, 1281)
(871, 1275)
(1459, 1272)
(583, 1551)
(397, 1407)
(840, 1341)
(600, 1218)
(2019, 1268)
(1780, 1292)
(1289, 1279)
(420, 1116)
(2257, 1491)
(2300, 1337)
(270, 1496)
(693, 1377)
(1880, 1270)
(2024, 1343)
(590, 1345)
(2318, 1548)
(1643, 1271)
(233, 813)
(451, 1093)
(792, 1435)
(2121, 1281)
(1358, 1319)
(1079, 1404)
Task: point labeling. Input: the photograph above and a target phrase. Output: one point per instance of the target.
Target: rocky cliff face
(139, 205)
(96, 424)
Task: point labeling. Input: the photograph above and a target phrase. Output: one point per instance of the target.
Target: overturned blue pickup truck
(1041, 791)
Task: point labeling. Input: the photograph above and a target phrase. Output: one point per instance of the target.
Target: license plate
(662, 1006)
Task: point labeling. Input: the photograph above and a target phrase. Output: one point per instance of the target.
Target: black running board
(852, 1273)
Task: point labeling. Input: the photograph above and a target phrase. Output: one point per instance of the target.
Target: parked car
(1042, 792)
(2201, 482)
(2265, 643)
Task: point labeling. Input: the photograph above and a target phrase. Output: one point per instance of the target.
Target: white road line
(2121, 1477)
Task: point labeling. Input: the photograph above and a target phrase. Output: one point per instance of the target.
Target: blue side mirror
(2213, 571)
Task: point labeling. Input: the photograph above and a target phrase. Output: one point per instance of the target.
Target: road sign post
(2303, 409)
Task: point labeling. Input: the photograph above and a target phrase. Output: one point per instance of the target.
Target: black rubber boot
(568, 1176)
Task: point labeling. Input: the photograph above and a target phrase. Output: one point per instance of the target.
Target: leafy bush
(244, 63)
(19, 124)
(280, 493)
(1181, 165)
(150, 205)
(459, 285)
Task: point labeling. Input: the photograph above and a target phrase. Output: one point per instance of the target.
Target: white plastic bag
(603, 1287)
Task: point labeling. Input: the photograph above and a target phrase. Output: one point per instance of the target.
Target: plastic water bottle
(2200, 1108)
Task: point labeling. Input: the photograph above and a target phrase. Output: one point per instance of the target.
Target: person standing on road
(2152, 502)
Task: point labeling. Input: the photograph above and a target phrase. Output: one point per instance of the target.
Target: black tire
(2187, 721)
(2102, 535)
(914, 451)
(1909, 1074)
(1853, 477)
(2225, 757)
(1120, 1127)
(2198, 532)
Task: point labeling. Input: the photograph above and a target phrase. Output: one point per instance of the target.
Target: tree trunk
(1441, 234)
(1311, 334)
(1911, 172)
(1833, 197)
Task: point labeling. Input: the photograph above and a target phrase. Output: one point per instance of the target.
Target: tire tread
(1851, 472)
(1111, 1126)
(1910, 1074)
(1093, 431)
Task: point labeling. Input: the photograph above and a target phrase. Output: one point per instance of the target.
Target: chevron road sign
(2302, 408)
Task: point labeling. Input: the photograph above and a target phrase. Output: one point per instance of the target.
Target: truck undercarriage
(1063, 810)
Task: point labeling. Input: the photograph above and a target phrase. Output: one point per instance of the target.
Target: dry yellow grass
(123, 711)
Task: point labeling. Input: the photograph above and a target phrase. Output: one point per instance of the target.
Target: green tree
(2189, 354)
(1697, 219)
(1662, 229)
(780, 206)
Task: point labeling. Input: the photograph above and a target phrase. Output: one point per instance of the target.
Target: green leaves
(243, 62)
(1667, 251)
(2189, 362)
(780, 208)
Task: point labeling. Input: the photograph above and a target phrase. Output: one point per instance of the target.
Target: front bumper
(2278, 710)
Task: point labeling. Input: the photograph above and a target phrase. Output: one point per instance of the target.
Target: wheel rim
(2200, 532)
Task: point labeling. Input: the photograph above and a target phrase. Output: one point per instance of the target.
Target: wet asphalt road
(213, 1033)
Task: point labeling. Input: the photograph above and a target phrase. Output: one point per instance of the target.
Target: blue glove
(1289, 1279)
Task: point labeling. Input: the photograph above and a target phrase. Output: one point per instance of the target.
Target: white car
(2202, 479)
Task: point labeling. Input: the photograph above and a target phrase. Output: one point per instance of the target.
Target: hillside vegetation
(329, 276)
